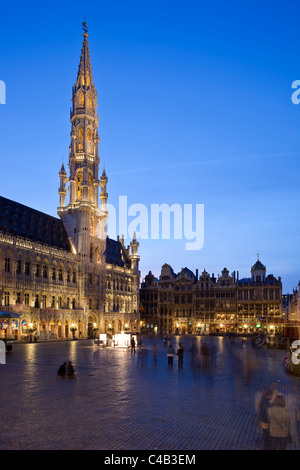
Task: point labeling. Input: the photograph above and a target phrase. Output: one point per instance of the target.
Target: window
(26, 299)
(27, 268)
(7, 265)
(37, 272)
(19, 267)
(89, 101)
(80, 139)
(44, 301)
(53, 274)
(37, 301)
(45, 271)
(89, 140)
(60, 274)
(74, 277)
(18, 300)
(81, 100)
(79, 180)
(6, 298)
(53, 302)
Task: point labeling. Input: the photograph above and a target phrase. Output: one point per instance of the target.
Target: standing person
(180, 355)
(133, 345)
(165, 341)
(170, 354)
(155, 353)
(279, 424)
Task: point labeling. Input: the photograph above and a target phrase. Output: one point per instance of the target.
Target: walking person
(262, 404)
(140, 355)
(133, 345)
(155, 353)
(170, 354)
(180, 355)
(279, 424)
(293, 406)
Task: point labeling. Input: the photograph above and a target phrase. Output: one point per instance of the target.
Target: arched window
(89, 101)
(89, 140)
(81, 100)
(79, 179)
(80, 138)
(90, 186)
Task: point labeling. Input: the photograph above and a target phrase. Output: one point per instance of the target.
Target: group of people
(66, 370)
(278, 418)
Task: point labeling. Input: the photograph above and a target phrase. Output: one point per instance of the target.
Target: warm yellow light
(245, 326)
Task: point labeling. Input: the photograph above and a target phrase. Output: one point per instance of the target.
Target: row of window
(41, 271)
(44, 301)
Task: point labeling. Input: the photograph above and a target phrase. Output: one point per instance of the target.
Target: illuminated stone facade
(64, 277)
(186, 303)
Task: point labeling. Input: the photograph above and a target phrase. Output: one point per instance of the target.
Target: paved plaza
(118, 403)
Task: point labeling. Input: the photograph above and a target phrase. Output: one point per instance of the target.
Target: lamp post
(31, 329)
(95, 329)
(73, 329)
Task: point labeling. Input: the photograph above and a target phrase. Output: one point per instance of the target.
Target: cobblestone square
(118, 403)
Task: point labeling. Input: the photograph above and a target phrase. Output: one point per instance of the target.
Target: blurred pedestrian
(180, 355)
(170, 354)
(165, 341)
(205, 353)
(262, 404)
(292, 405)
(140, 355)
(133, 345)
(155, 353)
(193, 351)
(279, 424)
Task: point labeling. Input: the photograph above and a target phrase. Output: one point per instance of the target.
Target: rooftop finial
(84, 27)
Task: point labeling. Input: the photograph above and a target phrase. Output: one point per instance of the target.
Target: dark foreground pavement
(116, 403)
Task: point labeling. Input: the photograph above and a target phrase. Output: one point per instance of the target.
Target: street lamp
(95, 328)
(73, 329)
(31, 329)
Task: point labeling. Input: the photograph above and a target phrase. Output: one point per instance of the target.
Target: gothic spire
(84, 76)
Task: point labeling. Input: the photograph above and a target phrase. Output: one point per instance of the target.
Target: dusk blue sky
(195, 108)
